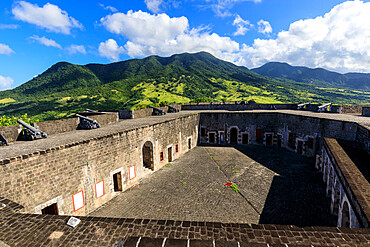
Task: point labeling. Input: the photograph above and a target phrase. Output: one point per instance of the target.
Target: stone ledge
(22, 229)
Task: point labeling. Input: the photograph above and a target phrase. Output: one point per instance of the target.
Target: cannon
(157, 111)
(302, 105)
(30, 133)
(87, 123)
(3, 141)
(172, 109)
(89, 110)
(322, 108)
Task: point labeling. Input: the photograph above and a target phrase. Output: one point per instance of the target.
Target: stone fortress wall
(96, 169)
(44, 178)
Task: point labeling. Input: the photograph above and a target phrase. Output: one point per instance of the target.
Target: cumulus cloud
(50, 17)
(45, 41)
(242, 26)
(113, 9)
(159, 34)
(5, 82)
(339, 40)
(110, 50)
(153, 5)
(5, 49)
(74, 49)
(8, 26)
(264, 27)
(143, 27)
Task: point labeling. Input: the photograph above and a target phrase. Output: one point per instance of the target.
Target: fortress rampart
(77, 171)
(39, 179)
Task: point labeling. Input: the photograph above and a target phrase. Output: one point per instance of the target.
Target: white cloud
(113, 9)
(50, 17)
(264, 27)
(143, 27)
(5, 82)
(339, 40)
(5, 49)
(8, 26)
(110, 50)
(222, 7)
(74, 49)
(241, 25)
(153, 5)
(159, 34)
(46, 41)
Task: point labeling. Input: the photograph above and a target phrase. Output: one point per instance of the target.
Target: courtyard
(275, 186)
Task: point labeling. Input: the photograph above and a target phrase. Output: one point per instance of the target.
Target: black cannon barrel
(303, 104)
(89, 110)
(322, 106)
(86, 118)
(172, 108)
(27, 126)
(30, 132)
(157, 111)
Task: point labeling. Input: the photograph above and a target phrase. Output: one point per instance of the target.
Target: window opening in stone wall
(203, 132)
(245, 139)
(51, 209)
(279, 140)
(222, 137)
(170, 154)
(310, 143)
(177, 148)
(291, 140)
(268, 139)
(117, 181)
(189, 143)
(259, 136)
(212, 137)
(336, 198)
(345, 215)
(233, 135)
(331, 180)
(161, 156)
(300, 147)
(148, 161)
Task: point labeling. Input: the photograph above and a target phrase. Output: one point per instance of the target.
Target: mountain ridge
(352, 80)
(65, 88)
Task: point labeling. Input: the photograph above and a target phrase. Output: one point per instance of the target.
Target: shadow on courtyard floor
(297, 194)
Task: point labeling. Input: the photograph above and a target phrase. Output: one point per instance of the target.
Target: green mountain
(66, 88)
(316, 76)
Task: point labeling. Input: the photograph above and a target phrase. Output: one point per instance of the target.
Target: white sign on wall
(132, 173)
(78, 200)
(99, 189)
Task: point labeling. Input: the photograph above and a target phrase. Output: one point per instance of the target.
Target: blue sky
(35, 34)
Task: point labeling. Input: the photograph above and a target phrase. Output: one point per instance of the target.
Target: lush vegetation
(12, 120)
(65, 89)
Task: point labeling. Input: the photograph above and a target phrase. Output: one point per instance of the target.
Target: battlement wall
(53, 176)
(53, 127)
(302, 134)
(346, 186)
(131, 114)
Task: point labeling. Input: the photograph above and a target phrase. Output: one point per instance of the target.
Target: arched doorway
(234, 135)
(148, 160)
(331, 181)
(345, 215)
(336, 198)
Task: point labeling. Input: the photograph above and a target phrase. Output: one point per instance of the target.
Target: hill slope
(316, 76)
(65, 88)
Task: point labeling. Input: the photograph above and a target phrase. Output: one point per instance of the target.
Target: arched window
(148, 161)
(345, 215)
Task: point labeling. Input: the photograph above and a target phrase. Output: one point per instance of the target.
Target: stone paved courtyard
(276, 187)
